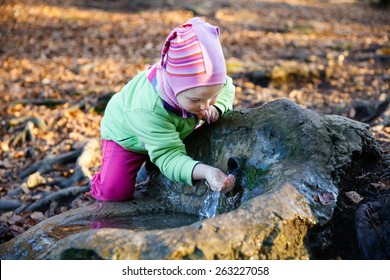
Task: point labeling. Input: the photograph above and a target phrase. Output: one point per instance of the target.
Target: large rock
(288, 161)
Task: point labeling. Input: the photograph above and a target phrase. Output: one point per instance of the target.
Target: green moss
(253, 177)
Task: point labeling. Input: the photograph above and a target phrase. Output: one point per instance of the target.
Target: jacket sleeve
(161, 139)
(225, 99)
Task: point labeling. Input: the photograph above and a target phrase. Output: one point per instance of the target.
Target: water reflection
(152, 221)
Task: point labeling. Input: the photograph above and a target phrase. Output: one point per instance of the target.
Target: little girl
(159, 107)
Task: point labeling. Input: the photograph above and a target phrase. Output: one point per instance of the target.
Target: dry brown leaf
(354, 196)
(35, 180)
(14, 219)
(5, 216)
(37, 216)
(381, 186)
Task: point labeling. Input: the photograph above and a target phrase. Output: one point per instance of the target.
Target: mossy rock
(288, 162)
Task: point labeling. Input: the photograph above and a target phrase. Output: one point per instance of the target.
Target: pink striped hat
(192, 56)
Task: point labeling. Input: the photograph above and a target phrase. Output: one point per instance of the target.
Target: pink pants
(115, 180)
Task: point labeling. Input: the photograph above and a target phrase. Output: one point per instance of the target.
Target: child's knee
(111, 190)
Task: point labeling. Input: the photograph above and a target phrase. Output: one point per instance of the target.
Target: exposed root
(9, 204)
(27, 133)
(34, 176)
(81, 172)
(64, 193)
(38, 122)
(35, 171)
(46, 102)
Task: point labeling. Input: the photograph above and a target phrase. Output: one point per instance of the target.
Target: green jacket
(136, 119)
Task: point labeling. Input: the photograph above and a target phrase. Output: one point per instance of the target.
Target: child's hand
(218, 181)
(210, 115)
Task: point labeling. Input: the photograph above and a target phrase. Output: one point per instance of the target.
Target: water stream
(210, 206)
(212, 201)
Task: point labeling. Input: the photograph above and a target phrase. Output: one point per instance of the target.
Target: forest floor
(61, 60)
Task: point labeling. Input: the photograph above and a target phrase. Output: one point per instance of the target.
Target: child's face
(199, 99)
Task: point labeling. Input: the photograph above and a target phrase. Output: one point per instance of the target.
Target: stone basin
(151, 221)
(287, 161)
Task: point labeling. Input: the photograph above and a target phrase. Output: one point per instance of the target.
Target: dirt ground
(62, 60)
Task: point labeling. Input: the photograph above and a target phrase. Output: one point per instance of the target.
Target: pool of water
(142, 222)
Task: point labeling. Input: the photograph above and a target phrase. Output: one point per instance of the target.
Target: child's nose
(205, 105)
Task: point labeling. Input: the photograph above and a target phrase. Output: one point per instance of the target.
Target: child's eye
(194, 100)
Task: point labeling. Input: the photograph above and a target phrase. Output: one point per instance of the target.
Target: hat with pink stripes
(192, 56)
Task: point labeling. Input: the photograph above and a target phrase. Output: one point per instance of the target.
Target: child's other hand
(218, 181)
(211, 114)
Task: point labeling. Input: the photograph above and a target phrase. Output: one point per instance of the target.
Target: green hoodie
(136, 119)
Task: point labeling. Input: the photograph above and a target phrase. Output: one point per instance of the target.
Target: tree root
(34, 172)
(34, 177)
(64, 193)
(27, 133)
(81, 171)
(9, 204)
(46, 102)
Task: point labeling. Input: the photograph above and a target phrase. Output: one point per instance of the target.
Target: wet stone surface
(288, 161)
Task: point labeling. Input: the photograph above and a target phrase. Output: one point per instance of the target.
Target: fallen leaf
(380, 186)
(354, 196)
(37, 216)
